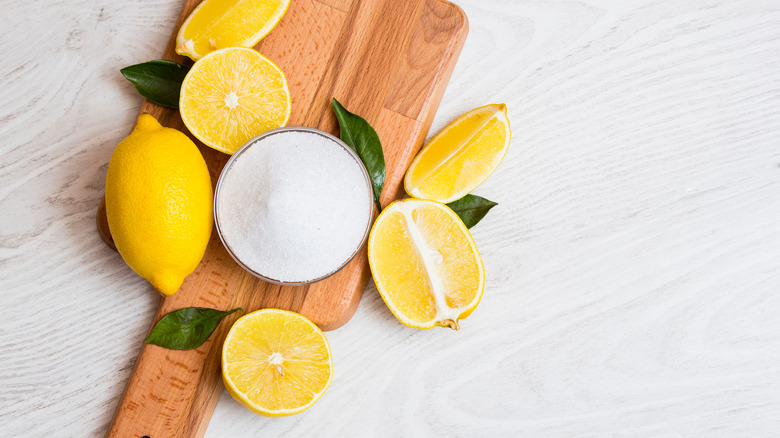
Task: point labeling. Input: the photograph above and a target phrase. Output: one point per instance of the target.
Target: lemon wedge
(232, 95)
(218, 24)
(461, 156)
(276, 362)
(425, 264)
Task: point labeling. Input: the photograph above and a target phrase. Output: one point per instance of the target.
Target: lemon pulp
(461, 156)
(276, 362)
(218, 24)
(232, 95)
(425, 264)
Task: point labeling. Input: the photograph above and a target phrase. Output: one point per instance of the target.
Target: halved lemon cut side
(276, 362)
(425, 264)
(219, 24)
(232, 95)
(461, 156)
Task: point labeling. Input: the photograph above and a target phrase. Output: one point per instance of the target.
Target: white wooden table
(633, 262)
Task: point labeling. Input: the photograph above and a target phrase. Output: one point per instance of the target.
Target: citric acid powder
(294, 206)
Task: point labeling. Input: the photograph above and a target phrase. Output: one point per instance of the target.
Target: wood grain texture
(325, 52)
(632, 263)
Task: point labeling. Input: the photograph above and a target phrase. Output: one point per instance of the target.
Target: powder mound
(294, 206)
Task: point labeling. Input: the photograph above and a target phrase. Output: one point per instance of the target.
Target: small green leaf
(471, 209)
(362, 138)
(186, 329)
(158, 80)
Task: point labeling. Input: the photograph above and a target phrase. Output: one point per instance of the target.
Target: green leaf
(362, 138)
(158, 80)
(471, 209)
(186, 329)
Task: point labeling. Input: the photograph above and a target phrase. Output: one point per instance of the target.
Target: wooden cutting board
(386, 60)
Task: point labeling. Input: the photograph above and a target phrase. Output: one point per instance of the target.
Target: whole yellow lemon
(159, 203)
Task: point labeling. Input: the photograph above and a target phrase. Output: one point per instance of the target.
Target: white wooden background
(633, 262)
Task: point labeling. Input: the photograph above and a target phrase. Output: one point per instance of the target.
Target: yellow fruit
(218, 24)
(461, 156)
(232, 95)
(159, 203)
(276, 362)
(425, 264)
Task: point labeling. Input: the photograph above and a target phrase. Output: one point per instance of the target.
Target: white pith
(231, 100)
(276, 360)
(187, 46)
(430, 258)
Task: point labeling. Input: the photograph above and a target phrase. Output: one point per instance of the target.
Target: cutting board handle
(171, 393)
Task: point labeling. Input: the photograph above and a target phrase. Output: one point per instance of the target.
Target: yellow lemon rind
(184, 50)
(241, 398)
(415, 193)
(465, 310)
(167, 261)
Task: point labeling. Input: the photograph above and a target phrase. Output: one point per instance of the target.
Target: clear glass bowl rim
(250, 143)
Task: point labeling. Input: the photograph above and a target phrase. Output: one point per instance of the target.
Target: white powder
(294, 206)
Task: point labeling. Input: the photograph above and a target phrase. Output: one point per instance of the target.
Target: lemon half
(276, 362)
(425, 264)
(232, 95)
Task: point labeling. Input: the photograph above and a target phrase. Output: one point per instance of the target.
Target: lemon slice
(461, 156)
(218, 24)
(232, 95)
(425, 264)
(276, 362)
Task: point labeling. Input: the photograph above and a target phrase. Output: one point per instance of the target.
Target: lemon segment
(232, 95)
(425, 264)
(461, 156)
(276, 362)
(159, 203)
(219, 24)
